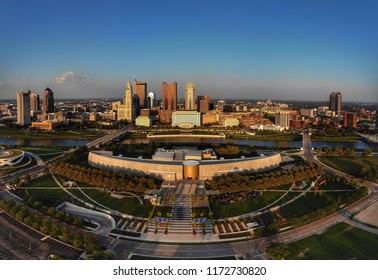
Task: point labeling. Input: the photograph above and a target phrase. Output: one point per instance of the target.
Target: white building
(228, 122)
(267, 127)
(186, 119)
(143, 121)
(283, 119)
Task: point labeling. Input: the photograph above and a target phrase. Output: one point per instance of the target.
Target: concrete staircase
(181, 220)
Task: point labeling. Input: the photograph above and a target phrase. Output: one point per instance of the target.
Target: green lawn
(238, 208)
(125, 205)
(41, 151)
(340, 242)
(349, 165)
(48, 197)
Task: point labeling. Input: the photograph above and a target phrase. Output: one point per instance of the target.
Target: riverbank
(82, 135)
(186, 135)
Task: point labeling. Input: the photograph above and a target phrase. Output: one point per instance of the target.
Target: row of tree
(110, 180)
(338, 151)
(57, 230)
(232, 151)
(242, 183)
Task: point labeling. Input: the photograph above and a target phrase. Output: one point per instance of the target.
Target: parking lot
(19, 242)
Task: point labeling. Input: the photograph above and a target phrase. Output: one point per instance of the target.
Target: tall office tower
(190, 95)
(350, 120)
(151, 100)
(203, 104)
(136, 105)
(140, 89)
(129, 108)
(48, 101)
(169, 96)
(283, 119)
(335, 102)
(23, 108)
(34, 102)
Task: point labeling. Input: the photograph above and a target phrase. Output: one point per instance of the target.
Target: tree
(279, 251)
(366, 152)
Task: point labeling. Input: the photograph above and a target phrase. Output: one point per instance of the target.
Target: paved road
(110, 136)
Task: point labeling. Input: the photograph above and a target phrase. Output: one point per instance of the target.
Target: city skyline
(253, 50)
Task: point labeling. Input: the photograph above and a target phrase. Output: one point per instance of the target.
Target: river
(258, 143)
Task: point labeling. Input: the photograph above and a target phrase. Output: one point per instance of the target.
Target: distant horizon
(217, 99)
(252, 49)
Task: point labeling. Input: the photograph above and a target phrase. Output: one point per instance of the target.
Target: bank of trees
(369, 172)
(60, 231)
(233, 151)
(242, 183)
(110, 180)
(340, 152)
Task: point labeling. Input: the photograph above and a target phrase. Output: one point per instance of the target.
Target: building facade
(335, 102)
(140, 89)
(283, 119)
(129, 111)
(186, 119)
(151, 100)
(190, 95)
(350, 120)
(34, 102)
(168, 170)
(169, 93)
(23, 108)
(48, 101)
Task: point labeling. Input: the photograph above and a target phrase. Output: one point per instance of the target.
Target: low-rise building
(143, 121)
(186, 119)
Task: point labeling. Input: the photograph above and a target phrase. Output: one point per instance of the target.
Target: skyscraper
(34, 102)
(203, 103)
(48, 101)
(169, 93)
(140, 89)
(335, 102)
(23, 108)
(283, 119)
(129, 103)
(151, 100)
(190, 95)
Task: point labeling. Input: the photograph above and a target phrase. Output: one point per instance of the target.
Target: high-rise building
(34, 102)
(140, 89)
(190, 95)
(169, 96)
(350, 120)
(203, 104)
(23, 108)
(283, 119)
(48, 101)
(335, 102)
(151, 100)
(129, 108)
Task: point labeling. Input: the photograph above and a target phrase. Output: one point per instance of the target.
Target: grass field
(349, 165)
(340, 242)
(224, 211)
(48, 197)
(125, 205)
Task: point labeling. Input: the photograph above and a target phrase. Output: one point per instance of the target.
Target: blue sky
(247, 49)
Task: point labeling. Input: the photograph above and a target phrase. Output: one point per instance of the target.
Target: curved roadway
(251, 249)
